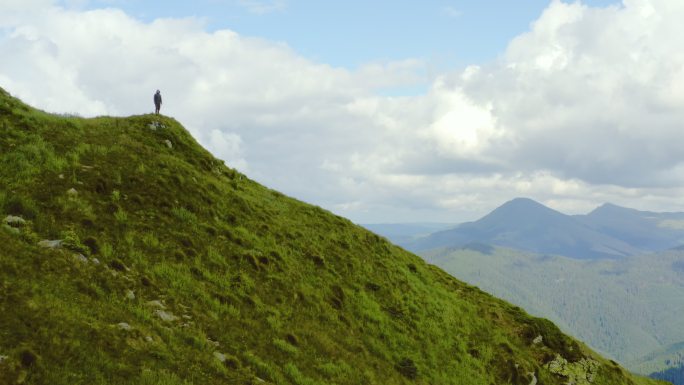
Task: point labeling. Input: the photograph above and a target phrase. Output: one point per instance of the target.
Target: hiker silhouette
(157, 102)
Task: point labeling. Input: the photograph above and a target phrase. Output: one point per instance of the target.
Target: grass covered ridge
(170, 268)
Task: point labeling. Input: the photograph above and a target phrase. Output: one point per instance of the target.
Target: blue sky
(350, 33)
(384, 111)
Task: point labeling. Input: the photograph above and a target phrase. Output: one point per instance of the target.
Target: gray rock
(80, 258)
(220, 356)
(168, 143)
(148, 339)
(130, 295)
(534, 378)
(156, 303)
(3, 358)
(538, 340)
(165, 316)
(51, 244)
(155, 125)
(96, 261)
(124, 326)
(14, 221)
(72, 192)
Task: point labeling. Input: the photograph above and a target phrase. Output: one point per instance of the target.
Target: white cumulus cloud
(583, 108)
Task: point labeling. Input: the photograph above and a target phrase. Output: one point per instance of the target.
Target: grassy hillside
(626, 308)
(130, 255)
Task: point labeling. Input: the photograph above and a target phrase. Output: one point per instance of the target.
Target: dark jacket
(157, 99)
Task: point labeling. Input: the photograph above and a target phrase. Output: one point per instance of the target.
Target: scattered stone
(156, 303)
(537, 340)
(80, 258)
(48, 244)
(168, 143)
(60, 176)
(148, 339)
(124, 326)
(259, 379)
(165, 316)
(3, 358)
(14, 221)
(581, 372)
(72, 192)
(534, 378)
(185, 316)
(155, 125)
(130, 295)
(220, 356)
(212, 342)
(96, 261)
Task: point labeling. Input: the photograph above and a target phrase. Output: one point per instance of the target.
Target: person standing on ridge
(157, 102)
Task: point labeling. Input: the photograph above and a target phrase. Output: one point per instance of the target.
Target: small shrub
(120, 216)
(338, 369)
(150, 240)
(145, 281)
(296, 376)
(72, 242)
(106, 250)
(338, 297)
(292, 339)
(318, 260)
(232, 362)
(117, 265)
(19, 206)
(372, 286)
(283, 346)
(407, 368)
(28, 358)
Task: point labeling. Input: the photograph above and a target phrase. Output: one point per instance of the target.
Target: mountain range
(609, 231)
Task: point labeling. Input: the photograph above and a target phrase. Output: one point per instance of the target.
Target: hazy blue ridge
(608, 232)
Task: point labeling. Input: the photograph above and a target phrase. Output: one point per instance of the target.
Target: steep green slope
(131, 256)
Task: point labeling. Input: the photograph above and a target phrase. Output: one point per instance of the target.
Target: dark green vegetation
(666, 364)
(169, 268)
(626, 308)
(608, 232)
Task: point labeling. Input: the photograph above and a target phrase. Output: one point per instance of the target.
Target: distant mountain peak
(610, 208)
(521, 209)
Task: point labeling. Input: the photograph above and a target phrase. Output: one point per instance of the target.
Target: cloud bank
(585, 107)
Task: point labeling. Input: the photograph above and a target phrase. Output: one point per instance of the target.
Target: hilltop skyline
(384, 113)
